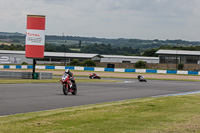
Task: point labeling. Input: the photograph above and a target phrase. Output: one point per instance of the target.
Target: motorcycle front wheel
(75, 89)
(65, 90)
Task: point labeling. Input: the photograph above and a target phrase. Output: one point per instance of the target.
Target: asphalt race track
(22, 98)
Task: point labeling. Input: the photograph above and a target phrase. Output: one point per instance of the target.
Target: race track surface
(22, 98)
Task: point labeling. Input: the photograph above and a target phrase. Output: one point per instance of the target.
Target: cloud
(146, 19)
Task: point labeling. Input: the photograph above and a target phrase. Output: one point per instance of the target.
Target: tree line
(103, 49)
(120, 46)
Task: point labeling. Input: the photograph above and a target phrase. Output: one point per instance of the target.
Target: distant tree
(89, 63)
(16, 40)
(75, 62)
(24, 63)
(150, 52)
(80, 42)
(180, 66)
(140, 64)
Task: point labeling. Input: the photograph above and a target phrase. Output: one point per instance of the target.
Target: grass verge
(54, 80)
(162, 114)
(192, 80)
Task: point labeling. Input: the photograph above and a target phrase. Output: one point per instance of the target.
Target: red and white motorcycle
(94, 76)
(69, 84)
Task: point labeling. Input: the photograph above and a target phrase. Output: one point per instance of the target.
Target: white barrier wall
(99, 69)
(60, 67)
(162, 71)
(140, 70)
(40, 67)
(119, 70)
(182, 72)
(24, 66)
(13, 67)
(78, 68)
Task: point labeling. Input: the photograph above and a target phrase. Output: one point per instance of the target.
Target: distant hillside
(11, 34)
(88, 44)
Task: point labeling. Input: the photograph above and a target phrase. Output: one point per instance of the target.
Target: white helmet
(67, 71)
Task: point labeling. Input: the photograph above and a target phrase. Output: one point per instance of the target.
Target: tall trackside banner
(35, 36)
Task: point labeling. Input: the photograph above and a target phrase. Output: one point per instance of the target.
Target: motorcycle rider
(67, 71)
(94, 75)
(71, 77)
(140, 77)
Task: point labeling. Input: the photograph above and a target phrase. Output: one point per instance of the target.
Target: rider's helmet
(67, 71)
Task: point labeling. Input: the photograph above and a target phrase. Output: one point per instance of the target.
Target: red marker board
(35, 36)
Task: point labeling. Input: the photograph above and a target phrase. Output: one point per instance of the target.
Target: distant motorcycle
(69, 84)
(94, 76)
(141, 78)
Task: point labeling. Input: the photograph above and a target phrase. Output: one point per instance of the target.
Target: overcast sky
(141, 19)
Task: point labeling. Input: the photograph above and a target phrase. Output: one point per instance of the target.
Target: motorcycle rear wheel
(65, 90)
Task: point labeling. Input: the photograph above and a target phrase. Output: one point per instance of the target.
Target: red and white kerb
(35, 36)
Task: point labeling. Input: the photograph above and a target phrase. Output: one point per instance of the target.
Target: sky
(139, 19)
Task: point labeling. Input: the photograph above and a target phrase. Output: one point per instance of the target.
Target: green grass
(192, 80)
(175, 114)
(75, 49)
(54, 80)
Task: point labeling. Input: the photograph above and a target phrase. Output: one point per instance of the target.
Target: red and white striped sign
(35, 36)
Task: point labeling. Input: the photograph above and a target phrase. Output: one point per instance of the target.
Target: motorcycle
(69, 84)
(92, 76)
(141, 78)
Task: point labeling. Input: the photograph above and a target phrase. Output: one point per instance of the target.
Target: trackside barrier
(89, 68)
(100, 69)
(119, 70)
(162, 71)
(130, 70)
(24, 75)
(182, 72)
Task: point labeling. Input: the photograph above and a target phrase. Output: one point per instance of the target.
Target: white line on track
(125, 82)
(178, 94)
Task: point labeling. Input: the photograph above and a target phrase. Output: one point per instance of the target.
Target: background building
(128, 59)
(178, 56)
(18, 57)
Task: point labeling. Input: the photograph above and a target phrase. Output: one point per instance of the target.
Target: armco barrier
(23, 75)
(100, 69)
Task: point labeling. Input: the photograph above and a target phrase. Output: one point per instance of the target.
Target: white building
(18, 57)
(178, 56)
(128, 59)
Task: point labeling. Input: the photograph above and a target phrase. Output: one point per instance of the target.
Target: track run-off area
(23, 98)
